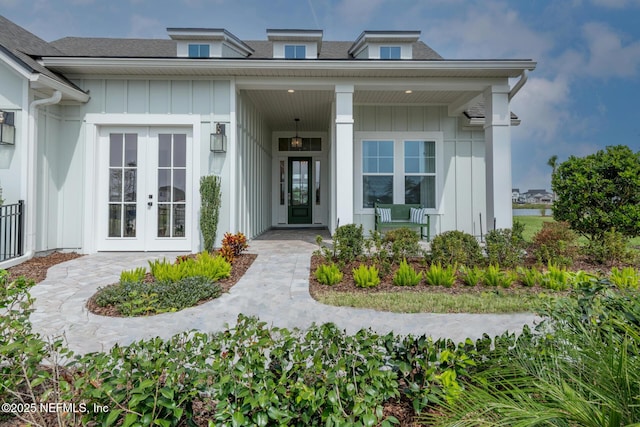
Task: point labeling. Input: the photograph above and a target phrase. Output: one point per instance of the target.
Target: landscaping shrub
(138, 298)
(529, 277)
(581, 367)
(556, 243)
(495, 277)
(436, 275)
(611, 249)
(403, 243)
(471, 276)
(406, 275)
(328, 274)
(456, 247)
(233, 245)
(505, 247)
(556, 278)
(135, 275)
(206, 265)
(625, 278)
(366, 277)
(348, 243)
(211, 197)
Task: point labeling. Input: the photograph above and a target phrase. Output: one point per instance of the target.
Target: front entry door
(144, 197)
(299, 186)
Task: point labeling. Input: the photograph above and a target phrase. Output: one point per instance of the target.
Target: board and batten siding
(253, 170)
(13, 97)
(66, 145)
(463, 191)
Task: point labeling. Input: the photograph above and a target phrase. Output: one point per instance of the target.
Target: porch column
(497, 139)
(344, 154)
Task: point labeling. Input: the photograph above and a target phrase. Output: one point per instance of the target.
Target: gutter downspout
(32, 142)
(519, 84)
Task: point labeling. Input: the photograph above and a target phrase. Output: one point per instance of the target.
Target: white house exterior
(113, 135)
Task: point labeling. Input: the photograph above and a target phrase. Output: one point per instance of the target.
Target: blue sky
(582, 97)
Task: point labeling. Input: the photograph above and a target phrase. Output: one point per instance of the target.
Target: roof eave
(506, 68)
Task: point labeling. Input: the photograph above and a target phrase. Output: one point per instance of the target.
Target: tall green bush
(505, 247)
(211, 196)
(456, 247)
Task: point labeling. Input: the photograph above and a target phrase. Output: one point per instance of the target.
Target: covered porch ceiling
(313, 106)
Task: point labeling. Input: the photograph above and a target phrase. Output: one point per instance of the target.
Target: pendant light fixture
(296, 141)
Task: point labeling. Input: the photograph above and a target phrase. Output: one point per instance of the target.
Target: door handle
(150, 203)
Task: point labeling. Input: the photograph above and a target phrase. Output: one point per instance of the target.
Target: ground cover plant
(249, 374)
(581, 367)
(173, 286)
(511, 270)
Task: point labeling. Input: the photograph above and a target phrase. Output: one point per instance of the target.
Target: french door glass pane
(130, 185)
(180, 150)
(123, 184)
(178, 220)
(115, 150)
(172, 184)
(164, 185)
(164, 219)
(115, 185)
(130, 150)
(378, 189)
(115, 223)
(129, 221)
(164, 150)
(179, 185)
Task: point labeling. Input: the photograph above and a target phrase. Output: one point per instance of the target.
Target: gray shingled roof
(110, 47)
(160, 48)
(477, 111)
(25, 46)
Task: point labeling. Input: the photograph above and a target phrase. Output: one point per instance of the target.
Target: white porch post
(497, 139)
(344, 154)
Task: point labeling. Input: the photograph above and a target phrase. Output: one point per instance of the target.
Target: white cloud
(542, 106)
(490, 30)
(609, 56)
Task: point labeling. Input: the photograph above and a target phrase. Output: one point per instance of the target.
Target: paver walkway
(275, 288)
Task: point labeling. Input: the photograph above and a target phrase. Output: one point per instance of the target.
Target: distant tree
(599, 193)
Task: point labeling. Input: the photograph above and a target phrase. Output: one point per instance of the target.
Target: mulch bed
(386, 283)
(36, 268)
(240, 265)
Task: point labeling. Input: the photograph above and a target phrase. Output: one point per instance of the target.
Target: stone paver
(275, 288)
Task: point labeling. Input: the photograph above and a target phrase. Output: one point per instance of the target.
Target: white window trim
(398, 165)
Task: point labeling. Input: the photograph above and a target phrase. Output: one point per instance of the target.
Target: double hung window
(399, 170)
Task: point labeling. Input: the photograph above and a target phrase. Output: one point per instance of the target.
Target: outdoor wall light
(219, 139)
(7, 128)
(296, 141)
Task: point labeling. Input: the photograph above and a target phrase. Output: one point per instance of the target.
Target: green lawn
(491, 301)
(532, 224)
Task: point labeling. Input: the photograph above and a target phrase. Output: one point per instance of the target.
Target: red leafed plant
(233, 245)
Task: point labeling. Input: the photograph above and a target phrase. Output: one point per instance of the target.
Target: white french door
(145, 189)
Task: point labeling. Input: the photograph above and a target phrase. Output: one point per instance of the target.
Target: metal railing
(11, 231)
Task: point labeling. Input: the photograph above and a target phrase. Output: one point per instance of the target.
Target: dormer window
(198, 51)
(208, 43)
(295, 44)
(390, 52)
(384, 45)
(292, 51)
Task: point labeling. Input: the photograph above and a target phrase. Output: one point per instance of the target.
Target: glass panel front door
(147, 190)
(299, 187)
